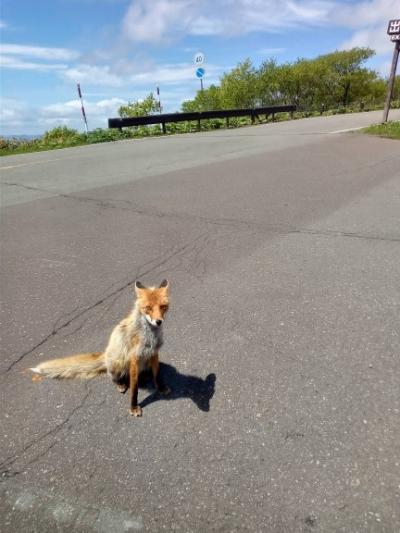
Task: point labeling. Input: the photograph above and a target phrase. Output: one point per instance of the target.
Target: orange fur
(132, 347)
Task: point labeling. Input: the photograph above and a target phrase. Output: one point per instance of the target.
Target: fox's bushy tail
(83, 365)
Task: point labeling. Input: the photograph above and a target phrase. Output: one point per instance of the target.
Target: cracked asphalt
(282, 246)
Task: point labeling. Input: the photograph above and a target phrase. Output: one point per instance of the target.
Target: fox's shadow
(199, 390)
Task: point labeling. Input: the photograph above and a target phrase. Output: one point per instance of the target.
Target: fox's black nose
(158, 322)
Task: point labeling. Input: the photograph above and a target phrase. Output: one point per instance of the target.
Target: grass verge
(390, 130)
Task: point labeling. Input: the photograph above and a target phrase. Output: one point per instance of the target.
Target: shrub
(62, 136)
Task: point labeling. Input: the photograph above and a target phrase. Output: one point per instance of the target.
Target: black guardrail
(164, 118)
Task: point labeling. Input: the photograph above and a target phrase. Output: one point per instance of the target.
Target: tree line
(338, 80)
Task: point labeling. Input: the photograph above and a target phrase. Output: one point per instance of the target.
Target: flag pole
(82, 108)
(159, 106)
(159, 99)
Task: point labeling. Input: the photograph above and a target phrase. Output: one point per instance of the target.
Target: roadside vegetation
(390, 130)
(329, 84)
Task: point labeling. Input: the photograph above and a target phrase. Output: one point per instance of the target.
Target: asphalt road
(282, 246)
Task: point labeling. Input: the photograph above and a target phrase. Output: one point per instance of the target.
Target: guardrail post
(198, 124)
(227, 122)
(164, 129)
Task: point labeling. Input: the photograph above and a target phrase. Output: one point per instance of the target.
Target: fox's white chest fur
(133, 337)
(151, 340)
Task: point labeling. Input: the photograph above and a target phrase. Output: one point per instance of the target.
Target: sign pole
(394, 32)
(391, 80)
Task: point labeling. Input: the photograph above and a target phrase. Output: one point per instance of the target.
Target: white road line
(31, 163)
(349, 129)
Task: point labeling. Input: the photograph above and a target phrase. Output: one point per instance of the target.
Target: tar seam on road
(281, 229)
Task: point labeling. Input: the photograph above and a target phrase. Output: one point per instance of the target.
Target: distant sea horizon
(21, 137)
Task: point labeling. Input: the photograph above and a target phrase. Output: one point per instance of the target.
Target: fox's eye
(164, 307)
(147, 309)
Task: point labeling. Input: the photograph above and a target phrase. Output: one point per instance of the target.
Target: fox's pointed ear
(164, 284)
(138, 287)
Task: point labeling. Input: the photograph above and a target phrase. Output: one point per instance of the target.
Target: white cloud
(93, 75)
(72, 109)
(167, 20)
(153, 21)
(9, 109)
(369, 19)
(18, 57)
(164, 20)
(369, 37)
(19, 117)
(20, 64)
(366, 13)
(3, 25)
(39, 52)
(270, 51)
(173, 74)
(168, 74)
(16, 117)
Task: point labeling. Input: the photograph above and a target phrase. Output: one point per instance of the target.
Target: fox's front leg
(158, 381)
(136, 410)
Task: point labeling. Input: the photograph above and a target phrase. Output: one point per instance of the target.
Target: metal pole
(159, 99)
(162, 126)
(391, 80)
(201, 83)
(82, 108)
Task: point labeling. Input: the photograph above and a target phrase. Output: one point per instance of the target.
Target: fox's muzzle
(154, 322)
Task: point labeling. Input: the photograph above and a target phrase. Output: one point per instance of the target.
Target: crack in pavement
(159, 262)
(95, 319)
(6, 464)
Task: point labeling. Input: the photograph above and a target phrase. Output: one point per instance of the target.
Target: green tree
(299, 83)
(140, 108)
(269, 89)
(330, 80)
(396, 88)
(207, 100)
(349, 79)
(239, 87)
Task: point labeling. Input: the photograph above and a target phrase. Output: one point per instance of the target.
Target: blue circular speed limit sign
(200, 72)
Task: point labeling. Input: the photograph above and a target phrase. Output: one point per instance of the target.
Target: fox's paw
(136, 411)
(122, 388)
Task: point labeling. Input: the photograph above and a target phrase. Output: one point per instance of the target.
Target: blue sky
(120, 49)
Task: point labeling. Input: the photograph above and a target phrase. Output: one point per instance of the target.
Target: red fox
(133, 346)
